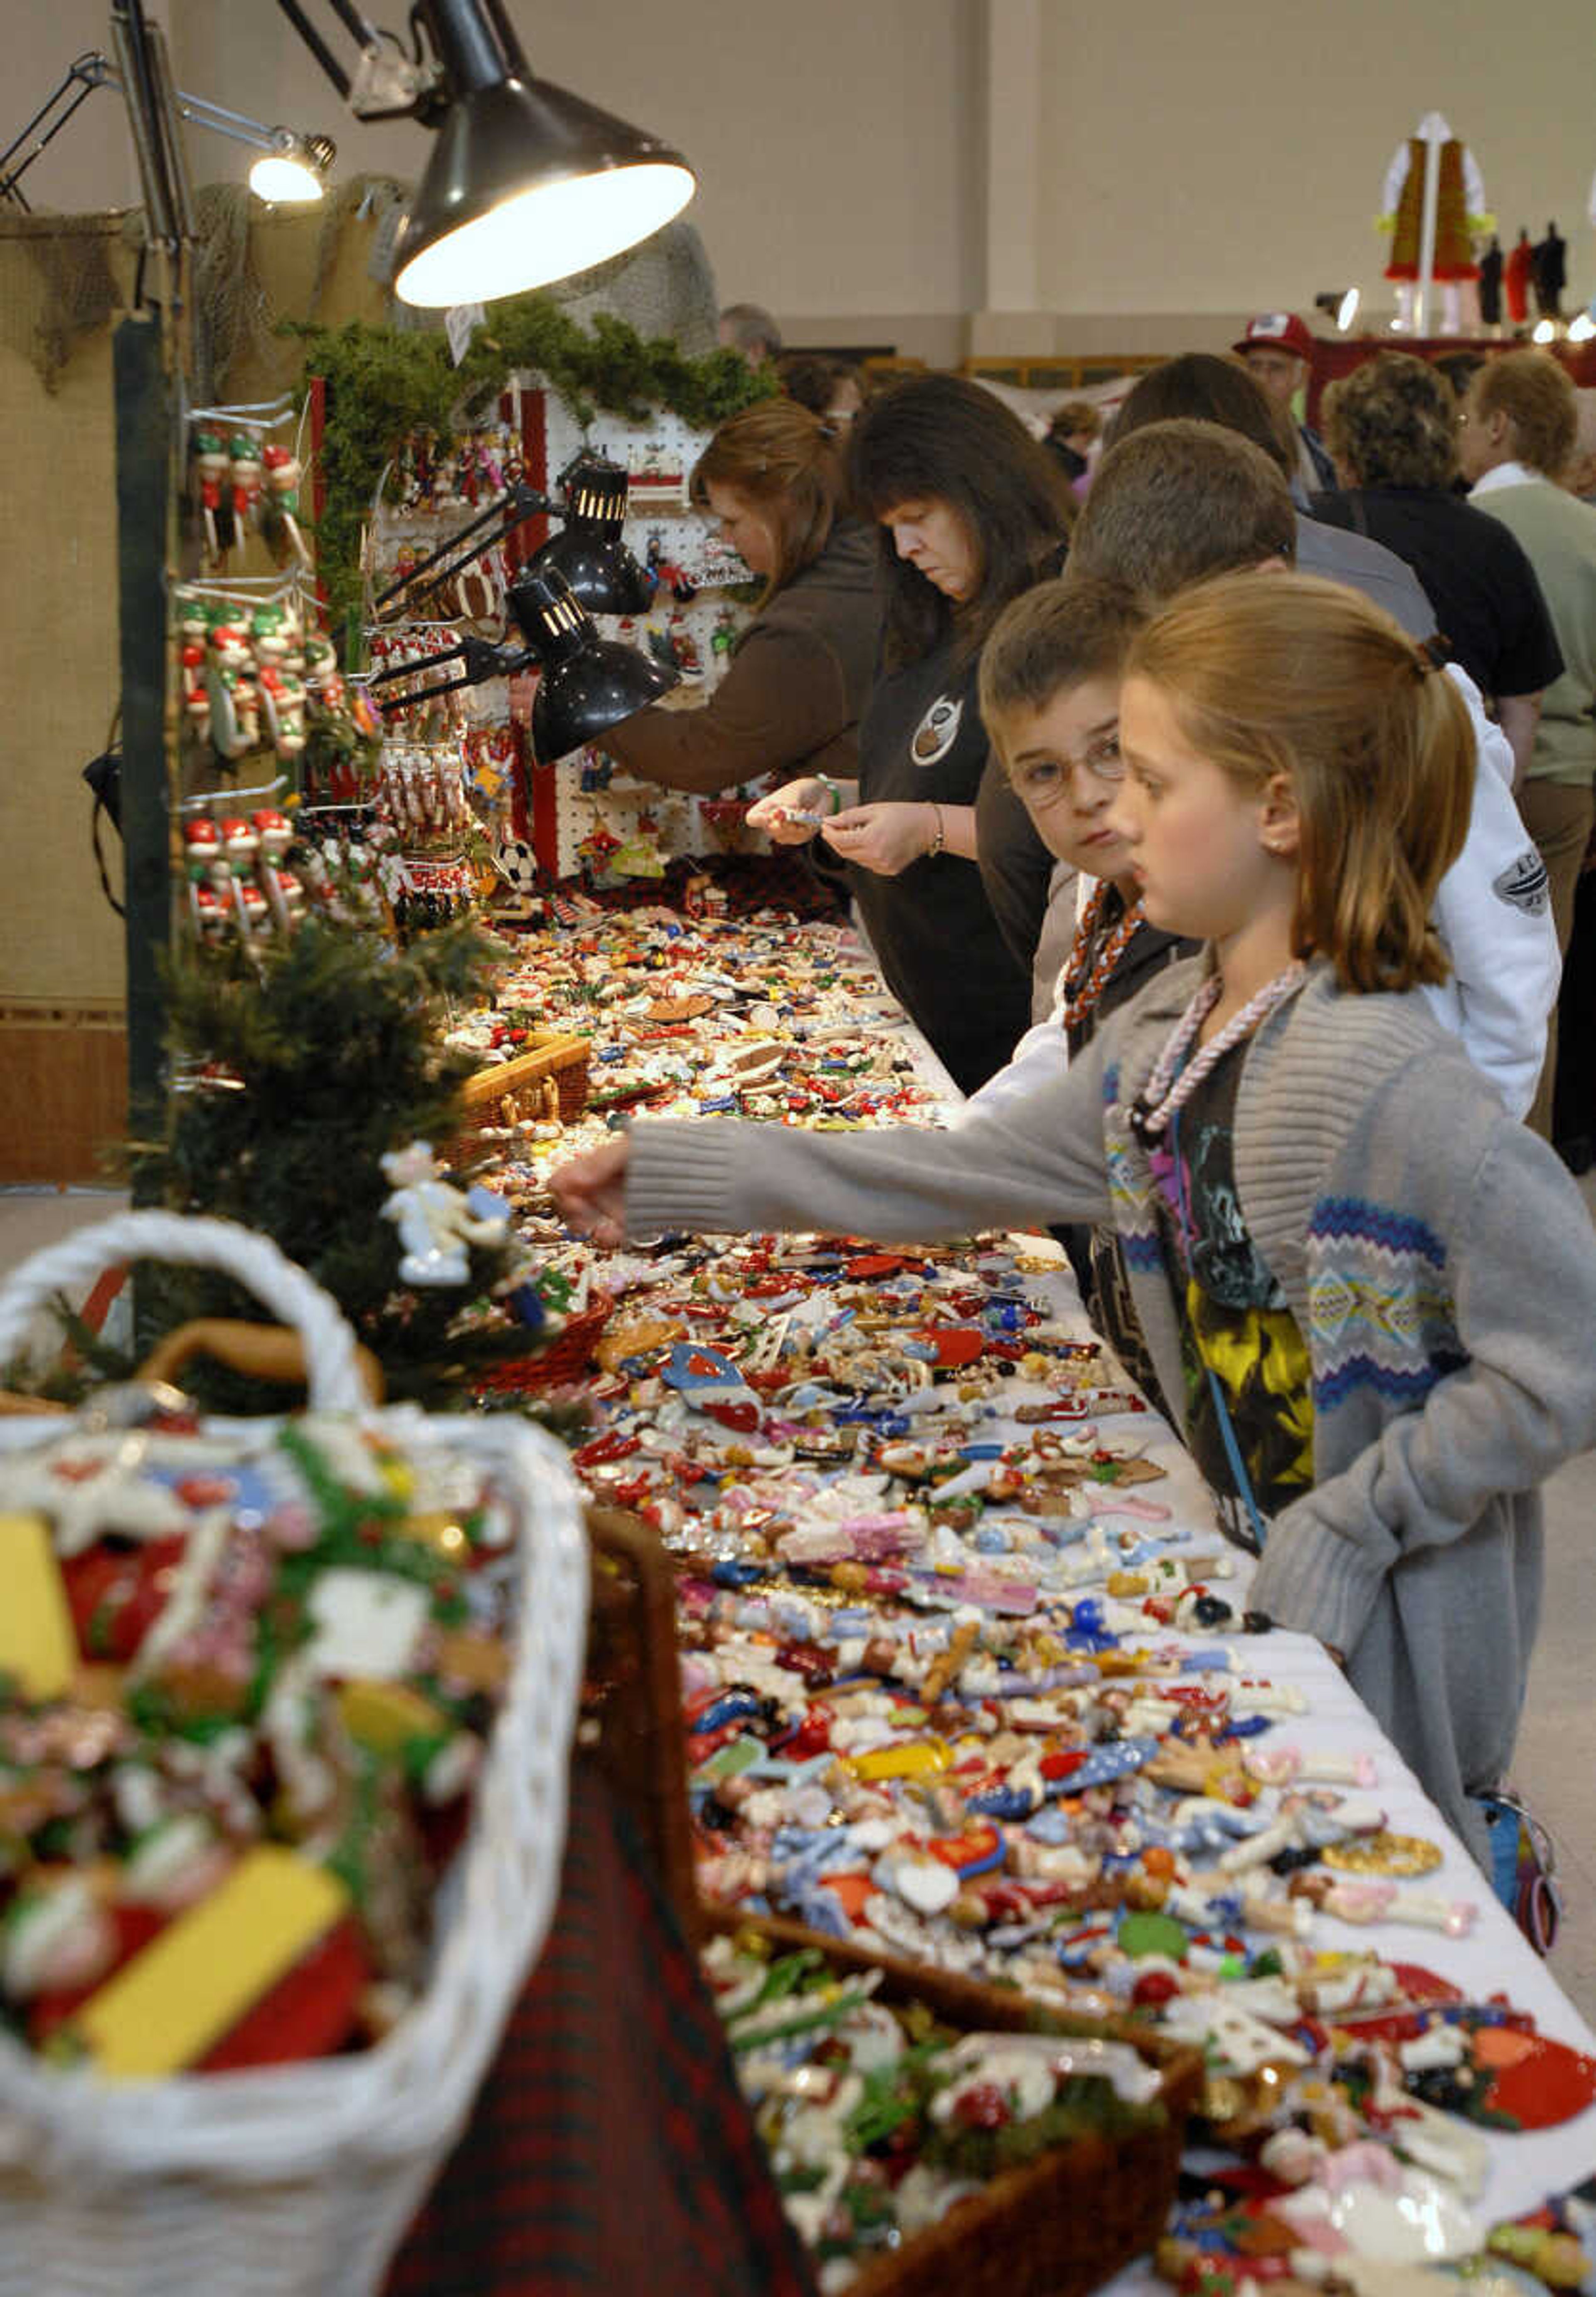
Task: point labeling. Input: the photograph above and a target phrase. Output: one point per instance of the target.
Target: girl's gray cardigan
(1439, 1262)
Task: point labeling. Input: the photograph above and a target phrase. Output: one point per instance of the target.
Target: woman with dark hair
(790, 700)
(972, 512)
(1391, 425)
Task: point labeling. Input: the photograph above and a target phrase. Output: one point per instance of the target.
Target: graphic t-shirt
(1236, 1329)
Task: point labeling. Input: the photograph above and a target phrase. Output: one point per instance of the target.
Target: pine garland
(384, 383)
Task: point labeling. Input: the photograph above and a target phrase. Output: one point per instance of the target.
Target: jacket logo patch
(937, 730)
(1524, 883)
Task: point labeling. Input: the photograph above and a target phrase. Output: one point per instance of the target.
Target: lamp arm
(388, 84)
(318, 47)
(482, 662)
(510, 511)
(88, 72)
(236, 125)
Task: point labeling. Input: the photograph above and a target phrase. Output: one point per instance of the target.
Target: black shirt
(1486, 596)
(1016, 868)
(921, 739)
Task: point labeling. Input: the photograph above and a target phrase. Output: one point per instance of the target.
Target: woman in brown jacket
(790, 700)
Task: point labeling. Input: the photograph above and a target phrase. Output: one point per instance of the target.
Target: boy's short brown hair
(1053, 638)
(1537, 398)
(1175, 502)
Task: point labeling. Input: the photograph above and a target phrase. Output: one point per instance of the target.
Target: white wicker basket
(299, 2181)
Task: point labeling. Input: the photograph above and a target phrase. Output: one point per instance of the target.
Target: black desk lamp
(589, 683)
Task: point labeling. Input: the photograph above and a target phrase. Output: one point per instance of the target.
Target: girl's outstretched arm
(1041, 1159)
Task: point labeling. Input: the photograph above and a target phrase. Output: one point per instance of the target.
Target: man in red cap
(1276, 350)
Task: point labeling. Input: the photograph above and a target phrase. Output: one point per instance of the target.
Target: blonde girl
(1370, 1289)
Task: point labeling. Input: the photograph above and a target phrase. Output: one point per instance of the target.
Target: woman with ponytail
(790, 702)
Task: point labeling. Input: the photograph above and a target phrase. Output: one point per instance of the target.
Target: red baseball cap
(1276, 330)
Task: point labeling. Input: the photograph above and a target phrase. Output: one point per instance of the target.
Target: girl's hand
(591, 1191)
(792, 814)
(885, 837)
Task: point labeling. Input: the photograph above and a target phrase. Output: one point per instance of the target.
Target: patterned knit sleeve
(1451, 1335)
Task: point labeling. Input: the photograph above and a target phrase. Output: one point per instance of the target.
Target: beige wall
(837, 174)
(59, 671)
(1192, 164)
(1231, 158)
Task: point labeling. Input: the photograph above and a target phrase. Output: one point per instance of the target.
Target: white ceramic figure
(434, 1220)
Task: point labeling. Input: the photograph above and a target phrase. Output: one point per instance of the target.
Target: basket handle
(294, 1298)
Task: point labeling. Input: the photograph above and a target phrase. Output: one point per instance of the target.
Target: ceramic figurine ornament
(228, 659)
(243, 456)
(269, 633)
(282, 481)
(436, 1220)
(210, 463)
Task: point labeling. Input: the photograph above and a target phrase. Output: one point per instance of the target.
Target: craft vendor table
(1494, 1958)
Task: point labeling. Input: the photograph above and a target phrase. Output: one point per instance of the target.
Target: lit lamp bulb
(291, 174)
(1340, 304)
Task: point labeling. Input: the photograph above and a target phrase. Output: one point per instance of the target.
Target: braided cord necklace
(1084, 983)
(1164, 1091)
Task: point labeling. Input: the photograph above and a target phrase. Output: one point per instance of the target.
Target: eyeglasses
(1043, 782)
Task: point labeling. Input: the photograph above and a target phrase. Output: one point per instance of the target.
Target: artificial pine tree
(293, 1072)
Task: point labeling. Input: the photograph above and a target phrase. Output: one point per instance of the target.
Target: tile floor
(1556, 1766)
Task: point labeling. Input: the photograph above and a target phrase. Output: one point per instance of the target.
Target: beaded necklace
(1083, 986)
(1160, 1097)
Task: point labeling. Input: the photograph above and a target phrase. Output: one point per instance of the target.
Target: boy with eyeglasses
(1050, 699)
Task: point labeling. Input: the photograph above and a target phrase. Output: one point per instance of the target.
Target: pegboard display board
(446, 785)
(583, 816)
(589, 817)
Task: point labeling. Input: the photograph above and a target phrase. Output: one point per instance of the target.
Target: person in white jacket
(1176, 502)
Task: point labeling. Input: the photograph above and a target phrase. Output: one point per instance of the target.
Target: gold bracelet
(940, 840)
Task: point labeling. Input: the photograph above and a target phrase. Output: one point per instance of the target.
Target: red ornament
(116, 1599)
(1539, 2082)
(983, 2106)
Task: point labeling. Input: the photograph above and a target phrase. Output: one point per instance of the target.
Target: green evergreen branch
(383, 383)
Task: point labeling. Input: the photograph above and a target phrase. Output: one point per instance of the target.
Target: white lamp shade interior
(545, 233)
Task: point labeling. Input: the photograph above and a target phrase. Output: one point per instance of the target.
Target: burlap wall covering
(63, 282)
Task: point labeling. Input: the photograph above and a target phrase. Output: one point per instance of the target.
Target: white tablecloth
(1495, 1958)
